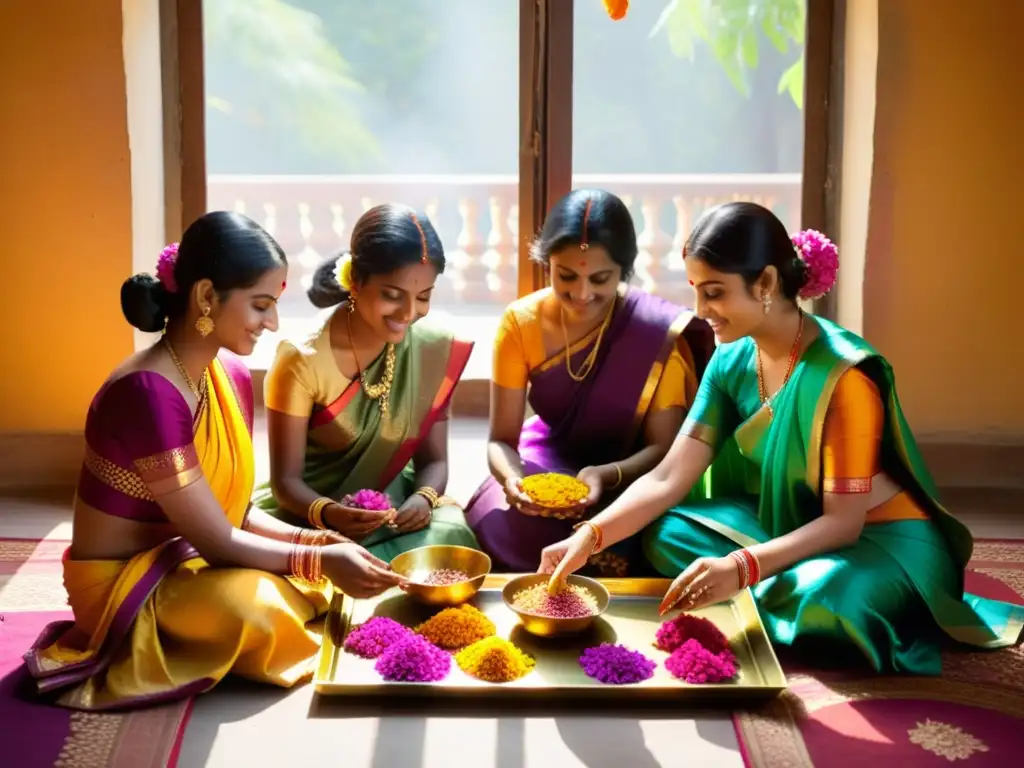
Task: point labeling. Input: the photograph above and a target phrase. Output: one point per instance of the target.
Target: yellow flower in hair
(343, 273)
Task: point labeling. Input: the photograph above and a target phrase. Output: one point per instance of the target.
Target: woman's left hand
(708, 580)
(591, 476)
(413, 515)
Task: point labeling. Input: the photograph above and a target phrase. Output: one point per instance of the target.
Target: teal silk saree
(893, 596)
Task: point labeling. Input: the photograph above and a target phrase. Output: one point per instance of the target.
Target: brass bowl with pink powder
(587, 599)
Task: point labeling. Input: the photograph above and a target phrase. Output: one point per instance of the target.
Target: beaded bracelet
(315, 515)
(304, 564)
(748, 565)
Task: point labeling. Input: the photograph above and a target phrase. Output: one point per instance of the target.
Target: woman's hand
(413, 515)
(707, 581)
(355, 523)
(567, 556)
(517, 498)
(591, 476)
(356, 572)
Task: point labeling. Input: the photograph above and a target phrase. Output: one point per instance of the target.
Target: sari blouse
(851, 437)
(519, 351)
(139, 446)
(142, 442)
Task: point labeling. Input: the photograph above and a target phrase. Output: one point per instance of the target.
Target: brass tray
(631, 619)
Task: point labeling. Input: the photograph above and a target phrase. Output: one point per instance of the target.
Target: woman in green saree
(819, 500)
(337, 427)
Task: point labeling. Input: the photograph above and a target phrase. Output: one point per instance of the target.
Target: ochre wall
(65, 203)
(944, 269)
(942, 272)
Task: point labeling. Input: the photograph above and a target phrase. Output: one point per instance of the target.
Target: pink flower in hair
(822, 259)
(165, 267)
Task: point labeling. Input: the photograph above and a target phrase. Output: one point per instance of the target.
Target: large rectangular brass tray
(631, 619)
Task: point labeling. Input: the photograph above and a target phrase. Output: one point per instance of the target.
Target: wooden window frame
(545, 118)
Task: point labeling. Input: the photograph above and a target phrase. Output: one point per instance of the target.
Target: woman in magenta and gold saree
(819, 499)
(363, 403)
(608, 409)
(172, 582)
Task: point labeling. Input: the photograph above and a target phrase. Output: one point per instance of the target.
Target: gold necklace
(199, 391)
(591, 358)
(762, 389)
(382, 389)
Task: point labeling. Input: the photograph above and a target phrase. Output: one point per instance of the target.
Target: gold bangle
(429, 494)
(598, 533)
(618, 479)
(315, 515)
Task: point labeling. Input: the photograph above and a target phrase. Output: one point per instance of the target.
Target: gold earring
(351, 301)
(204, 324)
(766, 299)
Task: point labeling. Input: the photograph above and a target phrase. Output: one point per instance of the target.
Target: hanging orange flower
(616, 8)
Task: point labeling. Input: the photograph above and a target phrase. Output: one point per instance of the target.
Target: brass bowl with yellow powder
(556, 495)
(551, 626)
(417, 565)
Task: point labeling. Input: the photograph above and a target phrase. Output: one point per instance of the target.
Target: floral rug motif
(972, 715)
(31, 596)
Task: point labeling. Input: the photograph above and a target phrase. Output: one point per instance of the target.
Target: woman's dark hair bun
(324, 291)
(144, 303)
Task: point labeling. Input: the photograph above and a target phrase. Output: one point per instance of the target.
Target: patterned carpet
(31, 596)
(971, 715)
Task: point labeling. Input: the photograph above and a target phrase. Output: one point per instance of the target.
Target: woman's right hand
(517, 498)
(568, 555)
(356, 572)
(355, 523)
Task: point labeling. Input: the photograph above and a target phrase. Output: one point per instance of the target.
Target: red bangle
(742, 569)
(753, 565)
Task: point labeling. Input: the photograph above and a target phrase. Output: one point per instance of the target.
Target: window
(318, 109)
(682, 106)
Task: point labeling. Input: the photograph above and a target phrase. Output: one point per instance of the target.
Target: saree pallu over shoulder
(596, 421)
(350, 446)
(164, 625)
(600, 419)
(782, 453)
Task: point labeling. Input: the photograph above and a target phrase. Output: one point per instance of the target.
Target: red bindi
(690, 282)
(284, 285)
(583, 263)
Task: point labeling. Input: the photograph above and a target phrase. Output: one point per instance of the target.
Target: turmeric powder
(555, 491)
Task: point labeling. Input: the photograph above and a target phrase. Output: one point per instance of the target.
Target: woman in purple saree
(609, 372)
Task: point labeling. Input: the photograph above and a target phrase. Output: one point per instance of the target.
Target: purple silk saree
(596, 421)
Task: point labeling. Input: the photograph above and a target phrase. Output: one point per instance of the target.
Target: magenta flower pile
(368, 499)
(372, 638)
(694, 663)
(414, 660)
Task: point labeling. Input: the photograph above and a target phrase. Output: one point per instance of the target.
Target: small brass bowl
(547, 626)
(417, 564)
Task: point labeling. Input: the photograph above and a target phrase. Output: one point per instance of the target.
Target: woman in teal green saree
(818, 499)
(362, 404)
